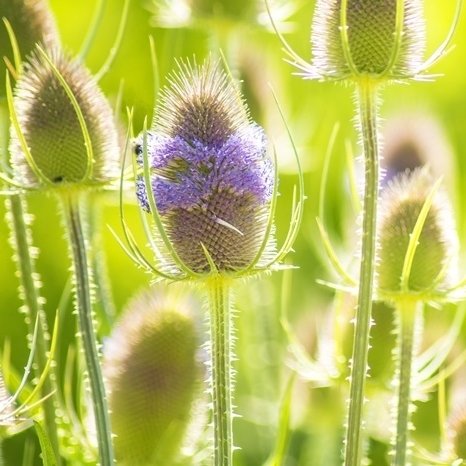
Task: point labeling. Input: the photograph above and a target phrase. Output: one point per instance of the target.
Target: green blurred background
(312, 110)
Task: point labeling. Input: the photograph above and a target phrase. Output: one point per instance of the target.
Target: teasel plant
(368, 44)
(416, 266)
(25, 23)
(63, 140)
(203, 174)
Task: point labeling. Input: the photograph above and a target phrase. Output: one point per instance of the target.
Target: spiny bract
(52, 130)
(211, 177)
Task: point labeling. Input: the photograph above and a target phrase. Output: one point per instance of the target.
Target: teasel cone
(433, 265)
(32, 23)
(211, 177)
(52, 129)
(153, 376)
(368, 38)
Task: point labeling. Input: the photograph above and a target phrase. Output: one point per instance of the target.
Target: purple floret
(185, 174)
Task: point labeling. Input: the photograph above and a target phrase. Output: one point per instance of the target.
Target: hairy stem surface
(86, 327)
(368, 122)
(407, 316)
(221, 359)
(21, 242)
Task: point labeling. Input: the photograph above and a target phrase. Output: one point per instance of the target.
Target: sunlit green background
(312, 110)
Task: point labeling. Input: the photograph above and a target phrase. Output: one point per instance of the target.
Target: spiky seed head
(152, 375)
(375, 47)
(32, 22)
(52, 130)
(211, 177)
(400, 207)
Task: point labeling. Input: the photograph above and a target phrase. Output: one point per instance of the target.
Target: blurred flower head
(31, 22)
(211, 178)
(433, 266)
(67, 135)
(195, 13)
(152, 375)
(413, 141)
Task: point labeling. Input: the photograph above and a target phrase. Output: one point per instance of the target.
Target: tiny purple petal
(187, 173)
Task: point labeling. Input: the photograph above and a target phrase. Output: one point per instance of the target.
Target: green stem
(222, 383)
(99, 266)
(22, 244)
(367, 98)
(407, 314)
(86, 327)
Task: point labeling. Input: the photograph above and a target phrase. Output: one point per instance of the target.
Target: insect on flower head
(211, 179)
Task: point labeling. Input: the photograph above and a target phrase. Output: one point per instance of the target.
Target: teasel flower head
(213, 185)
(63, 133)
(417, 242)
(377, 40)
(31, 22)
(153, 376)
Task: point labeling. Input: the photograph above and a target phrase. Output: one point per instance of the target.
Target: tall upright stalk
(22, 245)
(86, 327)
(367, 99)
(221, 359)
(408, 312)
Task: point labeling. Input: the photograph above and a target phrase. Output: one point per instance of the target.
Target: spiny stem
(21, 242)
(407, 316)
(221, 358)
(86, 327)
(367, 97)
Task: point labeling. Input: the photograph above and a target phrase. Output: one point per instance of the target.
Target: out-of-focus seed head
(375, 47)
(52, 130)
(32, 22)
(152, 375)
(457, 432)
(196, 13)
(211, 177)
(433, 263)
(413, 141)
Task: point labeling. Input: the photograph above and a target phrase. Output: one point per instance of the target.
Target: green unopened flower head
(31, 22)
(211, 178)
(432, 268)
(67, 134)
(374, 38)
(152, 376)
